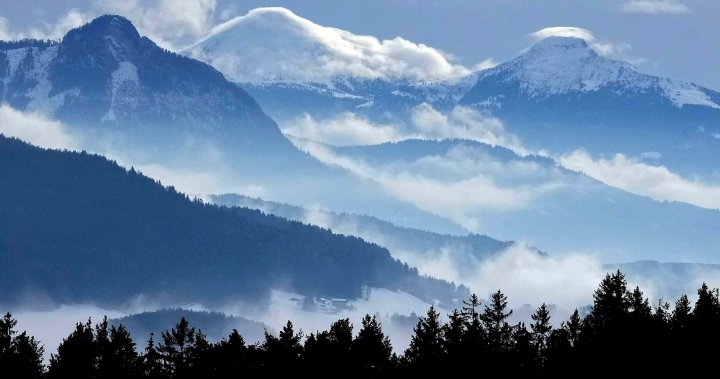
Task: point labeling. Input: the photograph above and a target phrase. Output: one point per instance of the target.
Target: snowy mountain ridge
(274, 44)
(563, 65)
(115, 76)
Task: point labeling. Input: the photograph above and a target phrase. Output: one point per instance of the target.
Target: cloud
(173, 24)
(197, 182)
(655, 7)
(656, 182)
(485, 64)
(426, 122)
(5, 34)
(72, 19)
(343, 130)
(36, 129)
(269, 44)
(529, 278)
(605, 48)
(459, 199)
(464, 123)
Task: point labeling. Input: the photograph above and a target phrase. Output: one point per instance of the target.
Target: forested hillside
(76, 227)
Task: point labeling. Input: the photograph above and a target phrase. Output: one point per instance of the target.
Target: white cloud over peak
(655, 7)
(270, 44)
(35, 129)
(605, 48)
(656, 182)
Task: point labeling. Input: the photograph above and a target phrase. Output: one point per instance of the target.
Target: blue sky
(675, 38)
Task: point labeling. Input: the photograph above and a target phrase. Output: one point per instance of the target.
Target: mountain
(214, 325)
(494, 191)
(119, 89)
(464, 252)
(561, 95)
(78, 228)
(294, 66)
(179, 119)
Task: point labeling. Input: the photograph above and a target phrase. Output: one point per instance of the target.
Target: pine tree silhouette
(427, 346)
(152, 366)
(541, 330)
(233, 357)
(494, 319)
(76, 356)
(371, 349)
(20, 355)
(283, 351)
(176, 348)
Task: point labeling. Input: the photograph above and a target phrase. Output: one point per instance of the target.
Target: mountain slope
(464, 252)
(118, 89)
(75, 227)
(561, 95)
(494, 191)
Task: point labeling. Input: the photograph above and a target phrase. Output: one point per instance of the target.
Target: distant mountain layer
(214, 325)
(412, 246)
(556, 210)
(77, 228)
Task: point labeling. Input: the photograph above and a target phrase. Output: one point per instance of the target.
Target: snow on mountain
(565, 65)
(106, 73)
(274, 44)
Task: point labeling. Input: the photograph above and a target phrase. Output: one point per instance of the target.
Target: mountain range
(558, 96)
(77, 227)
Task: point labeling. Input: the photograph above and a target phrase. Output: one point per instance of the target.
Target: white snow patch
(682, 93)
(125, 73)
(14, 58)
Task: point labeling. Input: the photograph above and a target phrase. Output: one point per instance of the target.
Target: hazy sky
(675, 38)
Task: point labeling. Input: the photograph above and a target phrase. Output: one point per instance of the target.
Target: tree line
(621, 334)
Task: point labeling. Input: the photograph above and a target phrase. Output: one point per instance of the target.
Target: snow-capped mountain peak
(557, 66)
(274, 44)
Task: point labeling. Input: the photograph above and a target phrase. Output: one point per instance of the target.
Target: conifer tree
(639, 306)
(232, 356)
(524, 353)
(427, 348)
(20, 354)
(283, 350)
(152, 365)
(541, 329)
(121, 360)
(76, 356)
(610, 301)
(371, 349)
(681, 315)
(176, 347)
(573, 327)
(455, 334)
(494, 319)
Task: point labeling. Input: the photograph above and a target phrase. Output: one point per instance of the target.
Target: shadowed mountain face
(76, 228)
(122, 92)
